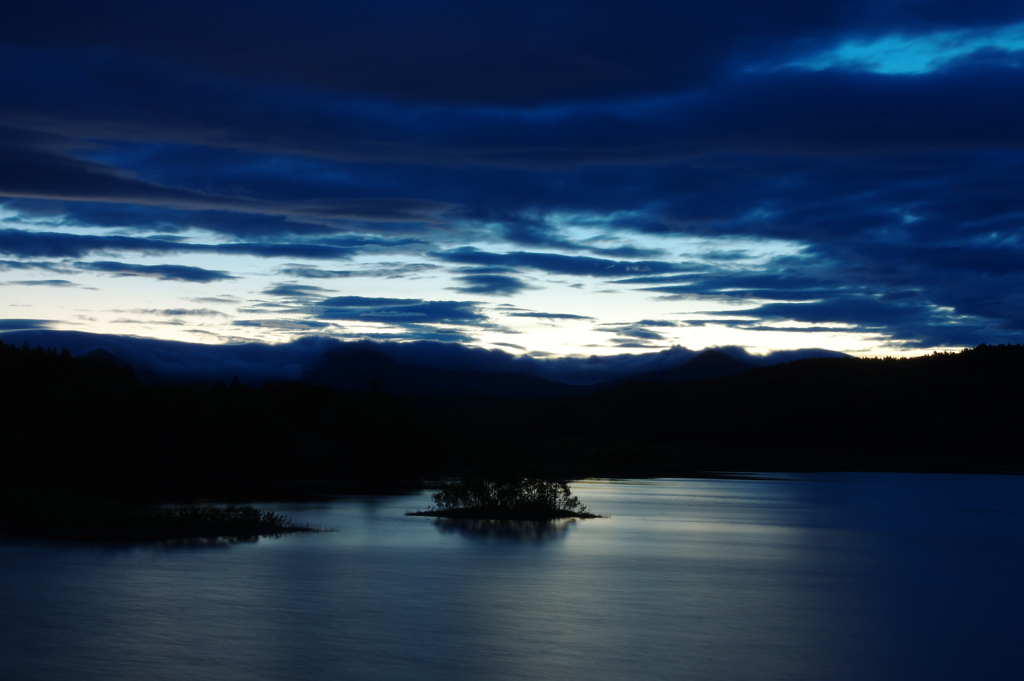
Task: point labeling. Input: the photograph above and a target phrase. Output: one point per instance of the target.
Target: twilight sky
(558, 177)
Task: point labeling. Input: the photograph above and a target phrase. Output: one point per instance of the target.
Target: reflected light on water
(811, 577)
(518, 530)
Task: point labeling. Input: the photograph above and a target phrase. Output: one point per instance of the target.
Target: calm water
(831, 576)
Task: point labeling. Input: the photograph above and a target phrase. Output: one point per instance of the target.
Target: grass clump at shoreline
(512, 498)
(63, 515)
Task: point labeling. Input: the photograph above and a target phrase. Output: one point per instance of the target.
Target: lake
(810, 576)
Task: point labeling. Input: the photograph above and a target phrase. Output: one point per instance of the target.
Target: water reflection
(127, 547)
(840, 578)
(519, 530)
(215, 541)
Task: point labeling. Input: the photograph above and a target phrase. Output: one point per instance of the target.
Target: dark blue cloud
(664, 280)
(740, 287)
(6, 265)
(362, 301)
(626, 343)
(398, 50)
(225, 299)
(381, 270)
(411, 333)
(861, 310)
(20, 324)
(241, 225)
(490, 284)
(139, 218)
(57, 244)
(36, 165)
(295, 290)
(277, 250)
(529, 53)
(547, 315)
(323, 133)
(183, 312)
(400, 311)
(282, 324)
(162, 272)
(630, 332)
(59, 283)
(554, 263)
(306, 272)
(810, 113)
(915, 322)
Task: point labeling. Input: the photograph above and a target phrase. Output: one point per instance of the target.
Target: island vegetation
(509, 498)
(58, 514)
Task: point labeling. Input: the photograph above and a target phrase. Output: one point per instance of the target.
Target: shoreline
(50, 513)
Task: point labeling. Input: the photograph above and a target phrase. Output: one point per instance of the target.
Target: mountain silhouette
(952, 411)
(365, 370)
(708, 364)
(940, 412)
(106, 358)
(175, 362)
(361, 369)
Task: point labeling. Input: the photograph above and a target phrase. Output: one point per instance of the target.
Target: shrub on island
(512, 498)
(65, 515)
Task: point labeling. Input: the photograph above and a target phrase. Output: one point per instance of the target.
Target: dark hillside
(875, 413)
(347, 369)
(89, 419)
(67, 417)
(708, 364)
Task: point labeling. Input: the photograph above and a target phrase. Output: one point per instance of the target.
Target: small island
(60, 514)
(514, 498)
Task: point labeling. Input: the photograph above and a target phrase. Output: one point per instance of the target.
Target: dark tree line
(88, 418)
(945, 411)
(63, 416)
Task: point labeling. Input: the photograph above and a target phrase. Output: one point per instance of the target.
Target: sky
(545, 178)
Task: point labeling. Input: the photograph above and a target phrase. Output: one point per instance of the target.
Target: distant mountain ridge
(88, 415)
(362, 369)
(415, 368)
(944, 401)
(708, 364)
(946, 411)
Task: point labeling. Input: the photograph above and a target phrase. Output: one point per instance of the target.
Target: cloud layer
(735, 171)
